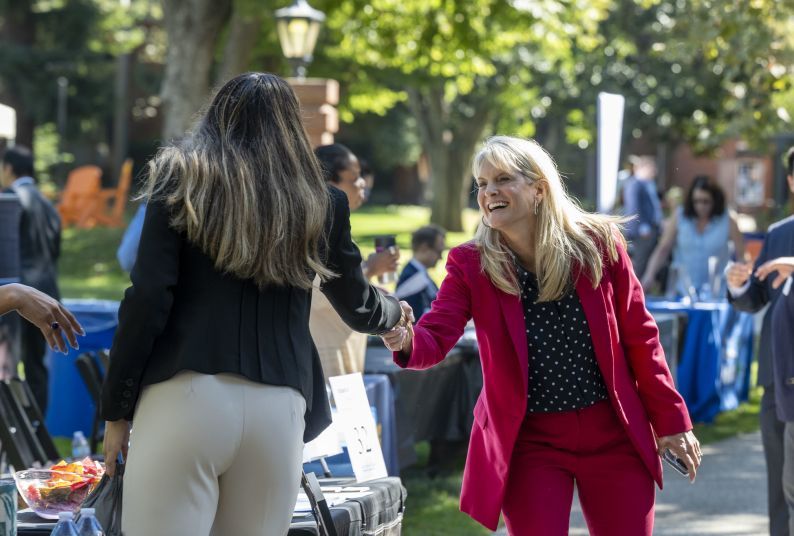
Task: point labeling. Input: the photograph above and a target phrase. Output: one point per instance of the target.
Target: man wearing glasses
(415, 285)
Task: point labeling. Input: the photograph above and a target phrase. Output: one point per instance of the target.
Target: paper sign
(354, 420)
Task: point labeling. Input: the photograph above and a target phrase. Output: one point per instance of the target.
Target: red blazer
(627, 348)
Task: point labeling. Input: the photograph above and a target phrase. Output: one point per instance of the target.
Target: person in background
(701, 229)
(369, 178)
(40, 247)
(783, 366)
(415, 285)
(47, 314)
(747, 292)
(341, 168)
(641, 201)
(128, 249)
(212, 359)
(576, 390)
(343, 350)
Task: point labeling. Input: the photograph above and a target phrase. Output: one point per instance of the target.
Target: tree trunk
(19, 30)
(449, 142)
(244, 30)
(193, 27)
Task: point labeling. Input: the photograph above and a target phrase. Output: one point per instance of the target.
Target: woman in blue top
(701, 229)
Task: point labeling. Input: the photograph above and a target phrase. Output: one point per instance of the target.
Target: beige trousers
(217, 455)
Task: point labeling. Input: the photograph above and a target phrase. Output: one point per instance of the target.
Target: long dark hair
(706, 183)
(245, 186)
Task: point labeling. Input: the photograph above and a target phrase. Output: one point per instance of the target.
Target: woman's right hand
(381, 262)
(738, 273)
(400, 337)
(49, 315)
(117, 439)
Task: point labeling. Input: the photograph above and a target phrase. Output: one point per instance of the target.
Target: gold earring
(536, 207)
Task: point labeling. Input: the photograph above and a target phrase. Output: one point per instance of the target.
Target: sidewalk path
(729, 496)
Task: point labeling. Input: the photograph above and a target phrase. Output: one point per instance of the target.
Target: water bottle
(65, 526)
(88, 524)
(80, 448)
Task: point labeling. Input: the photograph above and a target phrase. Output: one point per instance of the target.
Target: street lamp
(298, 27)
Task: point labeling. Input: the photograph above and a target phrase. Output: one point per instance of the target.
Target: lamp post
(298, 27)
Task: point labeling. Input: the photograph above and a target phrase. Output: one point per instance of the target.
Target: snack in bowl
(61, 488)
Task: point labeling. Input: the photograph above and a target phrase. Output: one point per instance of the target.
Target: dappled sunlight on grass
(401, 221)
(743, 419)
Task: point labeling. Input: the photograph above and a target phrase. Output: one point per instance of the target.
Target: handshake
(400, 337)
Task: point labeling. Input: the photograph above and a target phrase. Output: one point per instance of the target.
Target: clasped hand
(400, 337)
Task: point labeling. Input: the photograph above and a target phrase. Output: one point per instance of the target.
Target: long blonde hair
(245, 186)
(566, 235)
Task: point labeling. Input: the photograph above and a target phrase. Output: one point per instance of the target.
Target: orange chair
(112, 201)
(79, 197)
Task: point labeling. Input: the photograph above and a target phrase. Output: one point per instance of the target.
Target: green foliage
(88, 267)
(77, 40)
(387, 141)
(699, 71)
(48, 156)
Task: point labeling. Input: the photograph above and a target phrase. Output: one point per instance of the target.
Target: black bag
(106, 500)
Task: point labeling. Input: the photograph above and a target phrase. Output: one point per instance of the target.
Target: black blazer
(779, 242)
(39, 240)
(182, 314)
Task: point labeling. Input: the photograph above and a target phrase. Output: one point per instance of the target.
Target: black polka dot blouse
(563, 372)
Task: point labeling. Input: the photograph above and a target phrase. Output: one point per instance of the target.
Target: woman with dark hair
(342, 350)
(699, 231)
(213, 357)
(342, 169)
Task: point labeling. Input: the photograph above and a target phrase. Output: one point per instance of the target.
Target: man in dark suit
(782, 320)
(40, 246)
(750, 293)
(415, 285)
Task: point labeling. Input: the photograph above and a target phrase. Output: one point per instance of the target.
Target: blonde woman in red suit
(576, 388)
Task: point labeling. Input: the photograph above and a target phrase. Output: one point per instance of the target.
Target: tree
(193, 27)
(697, 71)
(459, 66)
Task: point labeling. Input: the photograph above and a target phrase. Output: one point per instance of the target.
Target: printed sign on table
(354, 419)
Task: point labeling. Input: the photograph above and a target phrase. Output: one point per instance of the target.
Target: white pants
(216, 455)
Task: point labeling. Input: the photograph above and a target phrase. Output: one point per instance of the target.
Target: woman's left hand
(686, 447)
(117, 439)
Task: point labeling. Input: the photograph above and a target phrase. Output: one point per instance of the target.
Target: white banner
(610, 131)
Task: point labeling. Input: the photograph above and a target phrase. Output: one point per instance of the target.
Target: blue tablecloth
(714, 365)
(70, 407)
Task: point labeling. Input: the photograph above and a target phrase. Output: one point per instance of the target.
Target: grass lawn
(89, 269)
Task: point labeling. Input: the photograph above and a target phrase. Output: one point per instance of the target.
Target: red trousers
(588, 447)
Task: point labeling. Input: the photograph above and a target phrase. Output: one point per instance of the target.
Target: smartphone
(675, 462)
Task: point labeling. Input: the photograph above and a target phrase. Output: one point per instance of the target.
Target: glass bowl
(50, 491)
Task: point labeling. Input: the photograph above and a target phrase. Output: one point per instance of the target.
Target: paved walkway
(728, 497)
